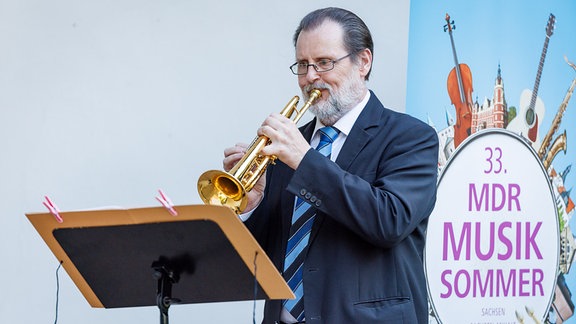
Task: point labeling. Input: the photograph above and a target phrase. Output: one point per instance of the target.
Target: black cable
(255, 290)
(57, 291)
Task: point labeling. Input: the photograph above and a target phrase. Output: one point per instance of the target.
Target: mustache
(319, 86)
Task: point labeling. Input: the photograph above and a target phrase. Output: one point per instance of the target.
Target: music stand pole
(166, 278)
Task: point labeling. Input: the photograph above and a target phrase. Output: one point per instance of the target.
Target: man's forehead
(325, 39)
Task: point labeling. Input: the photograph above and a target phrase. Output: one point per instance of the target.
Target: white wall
(104, 102)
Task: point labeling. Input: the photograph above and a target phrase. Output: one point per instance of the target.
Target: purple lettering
(513, 194)
(446, 283)
(490, 238)
(504, 239)
(500, 196)
(518, 240)
(479, 283)
(500, 189)
(537, 277)
(530, 241)
(522, 281)
(464, 240)
(483, 197)
(491, 242)
(462, 273)
(483, 287)
(506, 286)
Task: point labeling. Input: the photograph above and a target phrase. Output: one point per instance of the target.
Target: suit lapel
(363, 130)
(361, 133)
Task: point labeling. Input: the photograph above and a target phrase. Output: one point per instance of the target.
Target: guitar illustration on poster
(531, 108)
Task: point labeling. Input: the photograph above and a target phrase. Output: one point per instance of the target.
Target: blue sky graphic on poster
(488, 36)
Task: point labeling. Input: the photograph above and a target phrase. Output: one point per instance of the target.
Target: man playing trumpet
(345, 223)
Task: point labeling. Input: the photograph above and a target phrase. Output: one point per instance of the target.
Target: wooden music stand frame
(117, 257)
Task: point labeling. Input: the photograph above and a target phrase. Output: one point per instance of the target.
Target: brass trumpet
(229, 188)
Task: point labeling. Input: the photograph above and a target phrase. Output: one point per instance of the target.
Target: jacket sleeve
(389, 189)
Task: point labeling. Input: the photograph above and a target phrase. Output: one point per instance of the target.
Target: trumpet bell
(229, 188)
(221, 188)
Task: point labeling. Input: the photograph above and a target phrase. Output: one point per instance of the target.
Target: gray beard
(339, 102)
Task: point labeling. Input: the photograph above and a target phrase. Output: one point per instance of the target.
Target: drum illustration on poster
(492, 245)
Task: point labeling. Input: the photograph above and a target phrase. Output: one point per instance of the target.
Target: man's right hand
(231, 156)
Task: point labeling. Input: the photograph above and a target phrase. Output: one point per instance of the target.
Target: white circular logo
(492, 244)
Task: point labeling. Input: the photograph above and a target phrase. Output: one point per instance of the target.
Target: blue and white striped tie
(302, 220)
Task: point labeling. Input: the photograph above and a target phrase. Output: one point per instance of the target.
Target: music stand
(118, 257)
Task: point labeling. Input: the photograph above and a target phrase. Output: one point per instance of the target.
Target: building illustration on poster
(476, 72)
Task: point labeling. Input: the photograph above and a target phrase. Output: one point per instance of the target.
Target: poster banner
(492, 252)
(495, 79)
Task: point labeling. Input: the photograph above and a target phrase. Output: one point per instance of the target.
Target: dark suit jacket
(365, 258)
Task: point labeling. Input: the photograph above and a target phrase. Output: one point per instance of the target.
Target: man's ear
(365, 62)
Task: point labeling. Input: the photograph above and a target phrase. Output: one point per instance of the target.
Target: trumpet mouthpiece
(315, 94)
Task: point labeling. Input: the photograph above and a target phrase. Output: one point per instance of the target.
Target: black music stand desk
(147, 257)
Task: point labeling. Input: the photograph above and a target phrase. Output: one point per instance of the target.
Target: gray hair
(357, 36)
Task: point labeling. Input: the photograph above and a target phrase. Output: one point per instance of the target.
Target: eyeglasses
(323, 65)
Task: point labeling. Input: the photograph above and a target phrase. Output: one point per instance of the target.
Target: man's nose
(311, 74)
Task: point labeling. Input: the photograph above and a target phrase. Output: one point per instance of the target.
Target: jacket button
(313, 199)
(318, 203)
(302, 192)
(308, 195)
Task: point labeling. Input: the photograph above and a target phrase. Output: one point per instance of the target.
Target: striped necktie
(302, 220)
